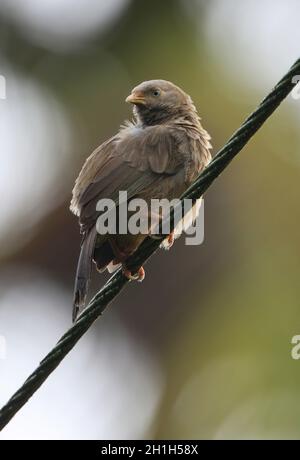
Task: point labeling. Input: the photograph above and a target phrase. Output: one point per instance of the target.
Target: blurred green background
(202, 349)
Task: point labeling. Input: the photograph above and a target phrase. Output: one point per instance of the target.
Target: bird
(156, 155)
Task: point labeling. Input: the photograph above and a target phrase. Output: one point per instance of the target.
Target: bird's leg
(121, 256)
(169, 241)
(138, 276)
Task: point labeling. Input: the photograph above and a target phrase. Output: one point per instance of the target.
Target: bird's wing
(132, 161)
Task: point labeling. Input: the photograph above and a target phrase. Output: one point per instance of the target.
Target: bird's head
(157, 101)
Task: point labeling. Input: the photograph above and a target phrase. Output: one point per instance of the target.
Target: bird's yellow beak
(136, 97)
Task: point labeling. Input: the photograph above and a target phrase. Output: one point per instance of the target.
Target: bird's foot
(169, 241)
(138, 276)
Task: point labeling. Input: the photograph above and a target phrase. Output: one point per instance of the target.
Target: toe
(139, 276)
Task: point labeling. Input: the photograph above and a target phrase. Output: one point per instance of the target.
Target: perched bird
(158, 155)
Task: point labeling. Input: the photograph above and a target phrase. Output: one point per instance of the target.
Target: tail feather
(83, 273)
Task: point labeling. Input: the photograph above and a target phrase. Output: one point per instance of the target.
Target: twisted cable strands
(117, 282)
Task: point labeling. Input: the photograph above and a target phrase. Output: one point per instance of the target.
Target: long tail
(83, 273)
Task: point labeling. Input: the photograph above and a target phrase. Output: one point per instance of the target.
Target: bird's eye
(156, 92)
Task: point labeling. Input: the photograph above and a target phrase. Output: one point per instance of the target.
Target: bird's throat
(152, 116)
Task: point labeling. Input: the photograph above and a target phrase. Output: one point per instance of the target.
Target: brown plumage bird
(157, 156)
